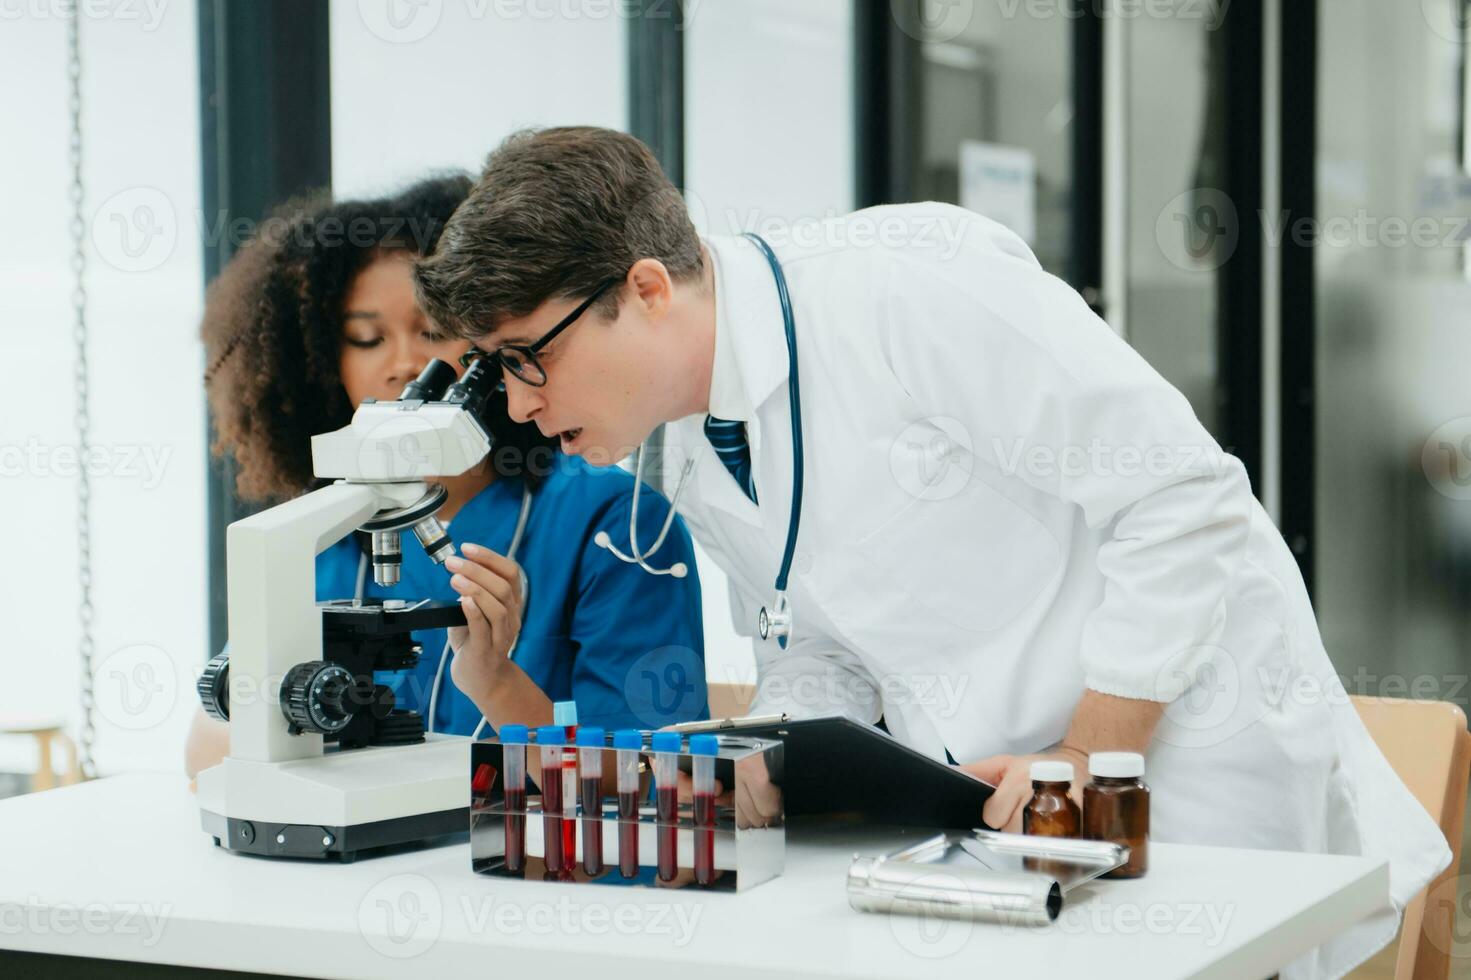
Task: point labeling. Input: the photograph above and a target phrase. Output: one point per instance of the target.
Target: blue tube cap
(666, 741)
(704, 745)
(514, 735)
(564, 713)
(628, 738)
(551, 735)
(591, 736)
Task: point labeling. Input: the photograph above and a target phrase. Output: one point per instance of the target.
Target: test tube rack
(748, 846)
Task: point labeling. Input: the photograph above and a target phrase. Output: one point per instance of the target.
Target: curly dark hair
(272, 333)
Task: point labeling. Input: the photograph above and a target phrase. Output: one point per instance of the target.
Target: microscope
(322, 762)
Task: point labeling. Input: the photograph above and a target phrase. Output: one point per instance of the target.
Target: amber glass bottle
(1051, 812)
(1116, 808)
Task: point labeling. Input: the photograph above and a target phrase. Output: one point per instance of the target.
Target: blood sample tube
(513, 751)
(666, 802)
(590, 744)
(704, 749)
(551, 739)
(629, 744)
(564, 715)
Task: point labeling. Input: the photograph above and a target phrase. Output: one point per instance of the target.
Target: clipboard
(837, 767)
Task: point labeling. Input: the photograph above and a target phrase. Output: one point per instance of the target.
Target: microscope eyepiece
(431, 383)
(475, 386)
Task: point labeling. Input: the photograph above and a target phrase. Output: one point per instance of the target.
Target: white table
(119, 869)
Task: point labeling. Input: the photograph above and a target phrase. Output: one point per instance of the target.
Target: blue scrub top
(626, 646)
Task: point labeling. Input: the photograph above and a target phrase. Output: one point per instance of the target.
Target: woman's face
(386, 341)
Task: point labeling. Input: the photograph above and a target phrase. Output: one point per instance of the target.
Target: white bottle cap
(1119, 765)
(1052, 772)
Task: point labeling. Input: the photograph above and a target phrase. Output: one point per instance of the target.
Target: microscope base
(340, 803)
(344, 843)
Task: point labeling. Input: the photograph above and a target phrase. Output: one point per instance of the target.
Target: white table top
(120, 869)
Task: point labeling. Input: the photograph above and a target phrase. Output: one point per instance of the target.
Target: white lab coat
(1004, 505)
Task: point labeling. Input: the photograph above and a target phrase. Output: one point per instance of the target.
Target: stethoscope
(516, 537)
(777, 621)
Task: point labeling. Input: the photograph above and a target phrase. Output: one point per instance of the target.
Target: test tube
(551, 740)
(513, 753)
(629, 744)
(590, 743)
(564, 715)
(666, 802)
(703, 750)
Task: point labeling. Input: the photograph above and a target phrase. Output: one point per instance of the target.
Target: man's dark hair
(557, 213)
(273, 334)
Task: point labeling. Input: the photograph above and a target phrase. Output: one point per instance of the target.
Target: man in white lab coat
(1016, 539)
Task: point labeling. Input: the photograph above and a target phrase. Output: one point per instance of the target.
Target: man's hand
(1011, 775)
(490, 593)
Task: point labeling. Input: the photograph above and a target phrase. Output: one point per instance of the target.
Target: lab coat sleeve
(813, 677)
(639, 638)
(1050, 395)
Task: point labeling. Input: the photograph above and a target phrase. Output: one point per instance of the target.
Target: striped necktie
(729, 440)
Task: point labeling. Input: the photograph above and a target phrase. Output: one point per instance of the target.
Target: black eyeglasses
(519, 360)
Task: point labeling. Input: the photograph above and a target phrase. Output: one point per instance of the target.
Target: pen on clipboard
(721, 724)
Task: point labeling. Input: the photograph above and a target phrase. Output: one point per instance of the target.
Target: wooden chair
(1430, 749)
(48, 734)
(730, 700)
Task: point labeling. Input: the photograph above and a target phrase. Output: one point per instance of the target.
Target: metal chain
(88, 732)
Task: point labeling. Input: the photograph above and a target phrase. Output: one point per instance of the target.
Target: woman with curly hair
(317, 314)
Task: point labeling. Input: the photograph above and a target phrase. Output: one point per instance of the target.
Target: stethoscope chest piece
(776, 622)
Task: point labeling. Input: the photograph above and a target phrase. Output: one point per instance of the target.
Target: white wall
(141, 152)
(768, 138)
(458, 76)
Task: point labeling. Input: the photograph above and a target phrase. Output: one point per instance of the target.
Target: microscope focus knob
(317, 697)
(214, 687)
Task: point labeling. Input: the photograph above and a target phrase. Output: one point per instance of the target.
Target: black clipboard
(837, 767)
